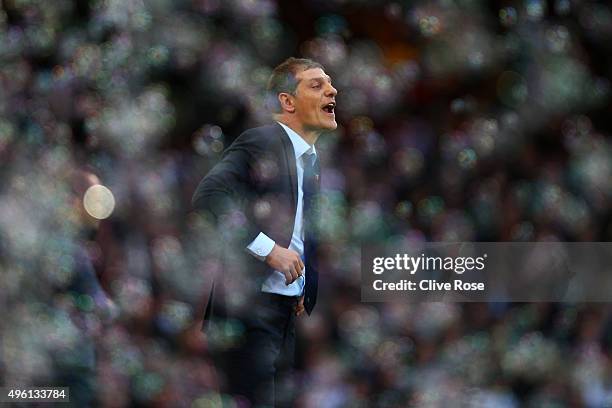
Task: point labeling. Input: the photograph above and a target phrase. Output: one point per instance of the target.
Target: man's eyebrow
(321, 79)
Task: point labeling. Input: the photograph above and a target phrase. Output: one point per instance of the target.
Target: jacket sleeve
(227, 189)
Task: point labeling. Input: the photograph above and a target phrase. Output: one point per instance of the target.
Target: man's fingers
(301, 264)
(296, 265)
(297, 268)
(290, 276)
(299, 307)
(295, 273)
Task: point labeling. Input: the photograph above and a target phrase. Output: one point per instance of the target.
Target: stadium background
(459, 120)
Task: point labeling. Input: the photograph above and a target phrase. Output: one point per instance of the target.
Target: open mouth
(329, 108)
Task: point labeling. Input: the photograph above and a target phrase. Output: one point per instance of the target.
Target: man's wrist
(261, 246)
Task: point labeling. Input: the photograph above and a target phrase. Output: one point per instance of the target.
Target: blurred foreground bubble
(508, 16)
(210, 399)
(174, 316)
(134, 125)
(558, 39)
(409, 162)
(533, 357)
(360, 326)
(467, 158)
(535, 9)
(99, 201)
(562, 7)
(512, 89)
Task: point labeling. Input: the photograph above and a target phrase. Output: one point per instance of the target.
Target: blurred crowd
(459, 120)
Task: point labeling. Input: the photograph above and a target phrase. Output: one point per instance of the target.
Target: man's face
(315, 100)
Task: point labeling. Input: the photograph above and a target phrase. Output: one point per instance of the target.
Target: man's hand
(286, 261)
(299, 308)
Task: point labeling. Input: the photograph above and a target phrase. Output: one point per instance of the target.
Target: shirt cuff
(261, 246)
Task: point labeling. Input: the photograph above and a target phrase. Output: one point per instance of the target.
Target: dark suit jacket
(252, 189)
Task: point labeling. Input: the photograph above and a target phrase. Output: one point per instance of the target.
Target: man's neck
(309, 137)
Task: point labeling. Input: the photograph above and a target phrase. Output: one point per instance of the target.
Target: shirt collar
(300, 146)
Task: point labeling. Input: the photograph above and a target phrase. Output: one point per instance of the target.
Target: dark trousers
(259, 369)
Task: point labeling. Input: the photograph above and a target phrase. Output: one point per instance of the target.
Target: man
(262, 198)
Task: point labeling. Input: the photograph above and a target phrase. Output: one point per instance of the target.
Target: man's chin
(324, 126)
(331, 126)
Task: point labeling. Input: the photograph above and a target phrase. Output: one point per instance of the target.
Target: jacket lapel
(290, 162)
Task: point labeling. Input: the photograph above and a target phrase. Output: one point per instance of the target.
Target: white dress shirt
(262, 245)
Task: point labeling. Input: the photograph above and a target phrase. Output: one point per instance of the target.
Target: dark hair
(283, 78)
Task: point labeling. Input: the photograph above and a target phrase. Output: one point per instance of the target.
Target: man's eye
(316, 86)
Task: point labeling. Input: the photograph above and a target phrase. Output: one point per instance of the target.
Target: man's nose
(331, 91)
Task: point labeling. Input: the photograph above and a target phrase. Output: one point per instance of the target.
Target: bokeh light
(99, 202)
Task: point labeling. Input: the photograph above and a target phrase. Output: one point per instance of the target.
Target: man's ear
(286, 102)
